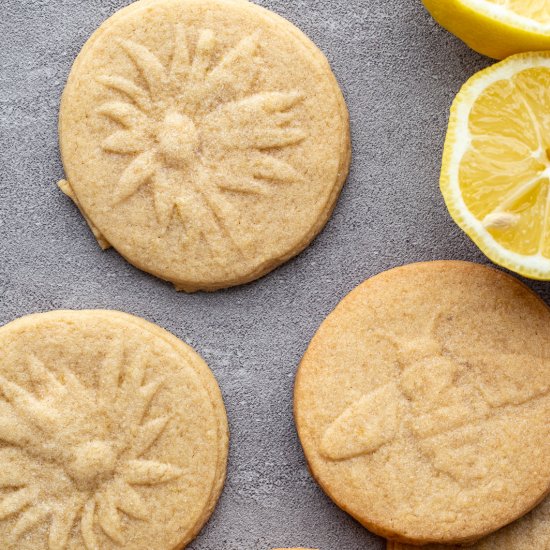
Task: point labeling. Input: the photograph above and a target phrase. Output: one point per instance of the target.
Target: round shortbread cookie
(113, 434)
(206, 140)
(532, 532)
(423, 404)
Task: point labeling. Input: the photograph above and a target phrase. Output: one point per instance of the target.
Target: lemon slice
(497, 28)
(496, 163)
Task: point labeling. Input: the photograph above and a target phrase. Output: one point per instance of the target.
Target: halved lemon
(496, 163)
(496, 28)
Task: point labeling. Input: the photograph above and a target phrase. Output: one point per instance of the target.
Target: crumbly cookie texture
(206, 140)
(423, 402)
(113, 434)
(532, 532)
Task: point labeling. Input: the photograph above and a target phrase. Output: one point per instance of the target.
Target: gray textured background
(399, 73)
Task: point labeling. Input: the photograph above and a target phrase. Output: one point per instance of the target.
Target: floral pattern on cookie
(179, 125)
(98, 438)
(206, 141)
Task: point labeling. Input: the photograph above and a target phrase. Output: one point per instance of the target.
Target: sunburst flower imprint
(206, 141)
(102, 461)
(84, 464)
(188, 126)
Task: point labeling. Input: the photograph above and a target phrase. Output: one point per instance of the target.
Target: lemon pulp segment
(504, 174)
(538, 10)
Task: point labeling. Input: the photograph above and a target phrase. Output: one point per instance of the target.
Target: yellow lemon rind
(489, 29)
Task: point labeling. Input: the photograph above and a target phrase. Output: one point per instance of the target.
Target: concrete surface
(399, 72)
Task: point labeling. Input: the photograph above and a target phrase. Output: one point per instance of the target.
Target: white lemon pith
(496, 164)
(496, 28)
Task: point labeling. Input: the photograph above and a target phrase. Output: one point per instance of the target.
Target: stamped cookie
(532, 532)
(113, 434)
(206, 140)
(423, 402)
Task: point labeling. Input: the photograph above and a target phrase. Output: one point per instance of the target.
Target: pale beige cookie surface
(113, 434)
(206, 140)
(423, 402)
(532, 532)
